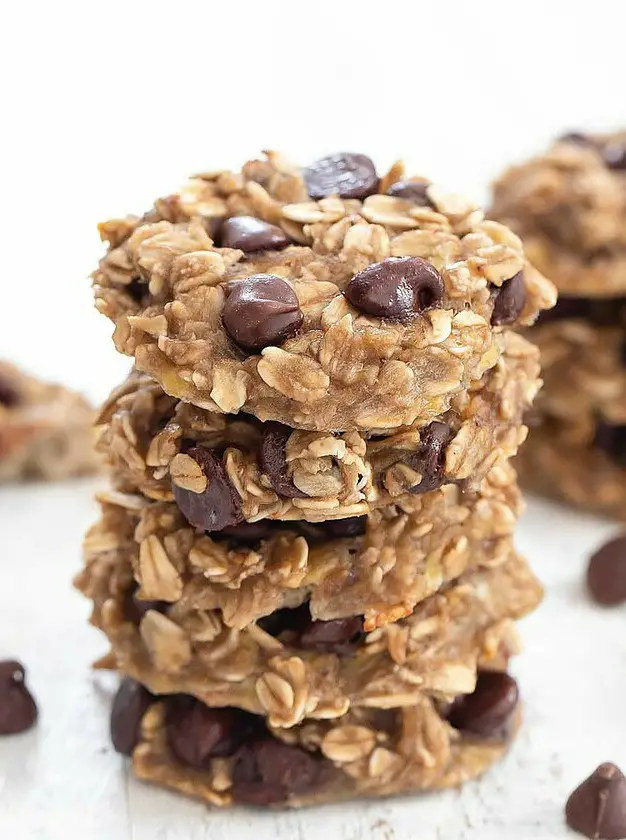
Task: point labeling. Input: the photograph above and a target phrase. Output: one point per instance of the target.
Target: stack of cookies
(569, 205)
(304, 565)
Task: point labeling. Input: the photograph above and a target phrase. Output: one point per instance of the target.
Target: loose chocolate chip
(614, 155)
(346, 175)
(266, 771)
(429, 459)
(18, 710)
(489, 709)
(340, 636)
(261, 310)
(415, 191)
(197, 733)
(611, 439)
(129, 706)
(249, 234)
(597, 808)
(509, 300)
(9, 395)
(273, 461)
(219, 506)
(398, 288)
(606, 573)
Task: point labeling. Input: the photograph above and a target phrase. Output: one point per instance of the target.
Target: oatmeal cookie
(569, 207)
(324, 299)
(288, 666)
(224, 470)
(379, 566)
(45, 430)
(226, 757)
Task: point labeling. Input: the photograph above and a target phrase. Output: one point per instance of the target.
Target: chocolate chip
(415, 191)
(266, 771)
(219, 506)
(509, 300)
(248, 533)
(18, 710)
(273, 461)
(249, 234)
(429, 459)
(136, 289)
(129, 706)
(606, 573)
(135, 608)
(352, 526)
(340, 636)
(597, 808)
(611, 439)
(346, 175)
(489, 709)
(196, 733)
(261, 310)
(398, 288)
(614, 155)
(9, 395)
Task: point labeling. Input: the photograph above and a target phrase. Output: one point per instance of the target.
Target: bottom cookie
(227, 757)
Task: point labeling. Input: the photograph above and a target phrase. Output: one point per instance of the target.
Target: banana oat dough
(225, 470)
(227, 757)
(325, 298)
(45, 430)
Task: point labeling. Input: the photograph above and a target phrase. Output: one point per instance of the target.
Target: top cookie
(569, 207)
(325, 298)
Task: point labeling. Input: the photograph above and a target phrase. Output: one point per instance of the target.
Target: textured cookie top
(324, 298)
(569, 207)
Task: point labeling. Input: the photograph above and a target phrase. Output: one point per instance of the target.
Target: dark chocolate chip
(611, 439)
(266, 771)
(415, 191)
(273, 461)
(197, 733)
(344, 174)
(606, 573)
(248, 533)
(340, 636)
(18, 710)
(597, 808)
(509, 300)
(250, 234)
(398, 288)
(9, 395)
(429, 459)
(261, 310)
(129, 706)
(136, 289)
(489, 709)
(219, 506)
(614, 155)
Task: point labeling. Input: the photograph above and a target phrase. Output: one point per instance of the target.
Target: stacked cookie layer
(305, 565)
(569, 206)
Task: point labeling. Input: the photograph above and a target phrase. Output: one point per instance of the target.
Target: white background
(106, 105)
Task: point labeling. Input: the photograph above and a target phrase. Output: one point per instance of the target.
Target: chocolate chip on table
(597, 808)
(196, 733)
(429, 459)
(398, 288)
(267, 770)
(606, 573)
(509, 300)
(273, 462)
(9, 395)
(346, 175)
(219, 506)
(260, 311)
(614, 155)
(248, 234)
(18, 710)
(488, 710)
(611, 439)
(129, 706)
(415, 191)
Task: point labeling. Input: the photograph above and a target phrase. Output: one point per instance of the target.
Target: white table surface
(63, 780)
